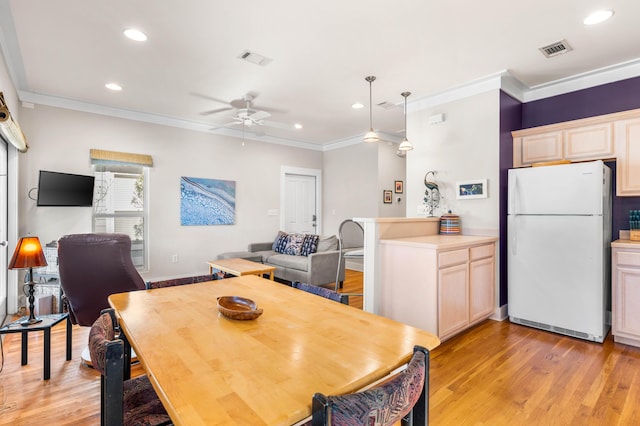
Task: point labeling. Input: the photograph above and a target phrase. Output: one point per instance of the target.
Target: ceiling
(63, 52)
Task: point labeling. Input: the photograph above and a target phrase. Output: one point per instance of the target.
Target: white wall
(60, 140)
(355, 177)
(464, 147)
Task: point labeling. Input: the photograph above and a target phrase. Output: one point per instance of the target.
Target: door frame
(288, 170)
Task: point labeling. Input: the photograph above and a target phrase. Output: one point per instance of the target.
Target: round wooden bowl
(238, 308)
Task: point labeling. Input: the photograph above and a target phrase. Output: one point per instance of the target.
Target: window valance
(100, 156)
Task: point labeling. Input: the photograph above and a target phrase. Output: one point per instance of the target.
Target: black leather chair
(92, 267)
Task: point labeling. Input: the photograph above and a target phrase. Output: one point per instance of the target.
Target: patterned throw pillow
(280, 243)
(309, 245)
(294, 244)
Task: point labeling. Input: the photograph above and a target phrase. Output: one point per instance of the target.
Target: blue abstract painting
(207, 201)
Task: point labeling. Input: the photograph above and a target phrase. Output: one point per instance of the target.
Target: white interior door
(300, 204)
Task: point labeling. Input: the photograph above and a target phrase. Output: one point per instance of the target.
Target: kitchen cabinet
(625, 280)
(605, 137)
(571, 141)
(627, 142)
(441, 283)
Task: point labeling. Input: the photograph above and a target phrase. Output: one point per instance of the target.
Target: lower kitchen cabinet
(626, 291)
(442, 284)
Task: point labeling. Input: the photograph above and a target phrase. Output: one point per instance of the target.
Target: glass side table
(45, 325)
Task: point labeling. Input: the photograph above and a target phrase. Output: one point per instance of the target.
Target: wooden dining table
(211, 370)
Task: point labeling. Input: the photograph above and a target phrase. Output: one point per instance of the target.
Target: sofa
(314, 264)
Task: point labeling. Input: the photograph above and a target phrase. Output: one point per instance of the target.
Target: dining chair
(350, 245)
(180, 281)
(404, 397)
(123, 401)
(92, 267)
(322, 291)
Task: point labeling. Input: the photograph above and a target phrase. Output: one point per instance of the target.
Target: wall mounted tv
(64, 189)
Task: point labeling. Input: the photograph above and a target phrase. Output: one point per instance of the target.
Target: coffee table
(240, 267)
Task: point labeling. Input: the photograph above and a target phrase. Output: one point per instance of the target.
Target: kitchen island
(439, 283)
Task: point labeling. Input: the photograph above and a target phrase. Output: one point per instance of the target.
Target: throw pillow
(294, 244)
(309, 245)
(280, 243)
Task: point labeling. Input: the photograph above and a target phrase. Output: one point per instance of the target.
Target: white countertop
(440, 241)
(626, 244)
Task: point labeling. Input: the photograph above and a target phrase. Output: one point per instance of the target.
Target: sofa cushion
(300, 263)
(264, 255)
(327, 243)
(309, 245)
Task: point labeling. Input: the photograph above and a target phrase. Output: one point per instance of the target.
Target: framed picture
(399, 187)
(472, 189)
(387, 196)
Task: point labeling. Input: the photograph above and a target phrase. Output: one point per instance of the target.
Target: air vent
(254, 58)
(388, 105)
(555, 49)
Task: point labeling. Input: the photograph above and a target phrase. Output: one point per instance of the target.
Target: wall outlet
(174, 258)
(272, 212)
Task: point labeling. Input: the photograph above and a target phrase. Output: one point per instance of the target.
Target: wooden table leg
(271, 275)
(25, 348)
(47, 353)
(69, 338)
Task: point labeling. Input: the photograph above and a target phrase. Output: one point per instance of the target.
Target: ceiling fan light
(405, 145)
(371, 136)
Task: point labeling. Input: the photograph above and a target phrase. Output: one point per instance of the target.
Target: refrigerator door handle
(513, 237)
(512, 195)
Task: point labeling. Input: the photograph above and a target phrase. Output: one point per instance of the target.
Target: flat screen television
(64, 189)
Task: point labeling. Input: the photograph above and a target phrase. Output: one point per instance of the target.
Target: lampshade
(371, 135)
(405, 145)
(28, 254)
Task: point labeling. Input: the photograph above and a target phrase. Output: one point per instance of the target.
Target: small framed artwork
(387, 196)
(472, 189)
(399, 187)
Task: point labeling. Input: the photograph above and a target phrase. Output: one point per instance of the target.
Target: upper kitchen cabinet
(605, 137)
(627, 137)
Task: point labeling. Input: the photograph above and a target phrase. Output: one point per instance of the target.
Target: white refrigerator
(559, 235)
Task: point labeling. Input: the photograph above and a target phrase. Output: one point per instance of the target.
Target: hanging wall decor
(207, 201)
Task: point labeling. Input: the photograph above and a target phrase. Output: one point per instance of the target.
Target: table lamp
(28, 255)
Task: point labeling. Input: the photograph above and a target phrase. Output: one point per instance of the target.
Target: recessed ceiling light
(134, 34)
(357, 105)
(113, 86)
(597, 17)
(298, 126)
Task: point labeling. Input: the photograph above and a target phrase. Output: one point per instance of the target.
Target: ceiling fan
(246, 102)
(248, 115)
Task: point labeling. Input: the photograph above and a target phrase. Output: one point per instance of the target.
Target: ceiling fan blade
(259, 115)
(270, 109)
(277, 125)
(218, 126)
(209, 98)
(215, 111)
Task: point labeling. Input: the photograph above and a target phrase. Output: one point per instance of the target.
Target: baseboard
(501, 313)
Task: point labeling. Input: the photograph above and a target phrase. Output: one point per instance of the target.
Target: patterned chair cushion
(141, 404)
(101, 332)
(383, 405)
(319, 291)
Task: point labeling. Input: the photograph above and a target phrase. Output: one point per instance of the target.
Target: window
(120, 204)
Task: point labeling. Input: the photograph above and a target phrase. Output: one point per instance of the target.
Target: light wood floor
(497, 373)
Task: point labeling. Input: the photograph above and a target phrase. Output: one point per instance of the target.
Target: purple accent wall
(510, 119)
(605, 99)
(608, 98)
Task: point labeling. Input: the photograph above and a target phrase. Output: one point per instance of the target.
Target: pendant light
(405, 145)
(371, 135)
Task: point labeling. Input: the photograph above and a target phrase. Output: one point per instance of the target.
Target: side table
(45, 325)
